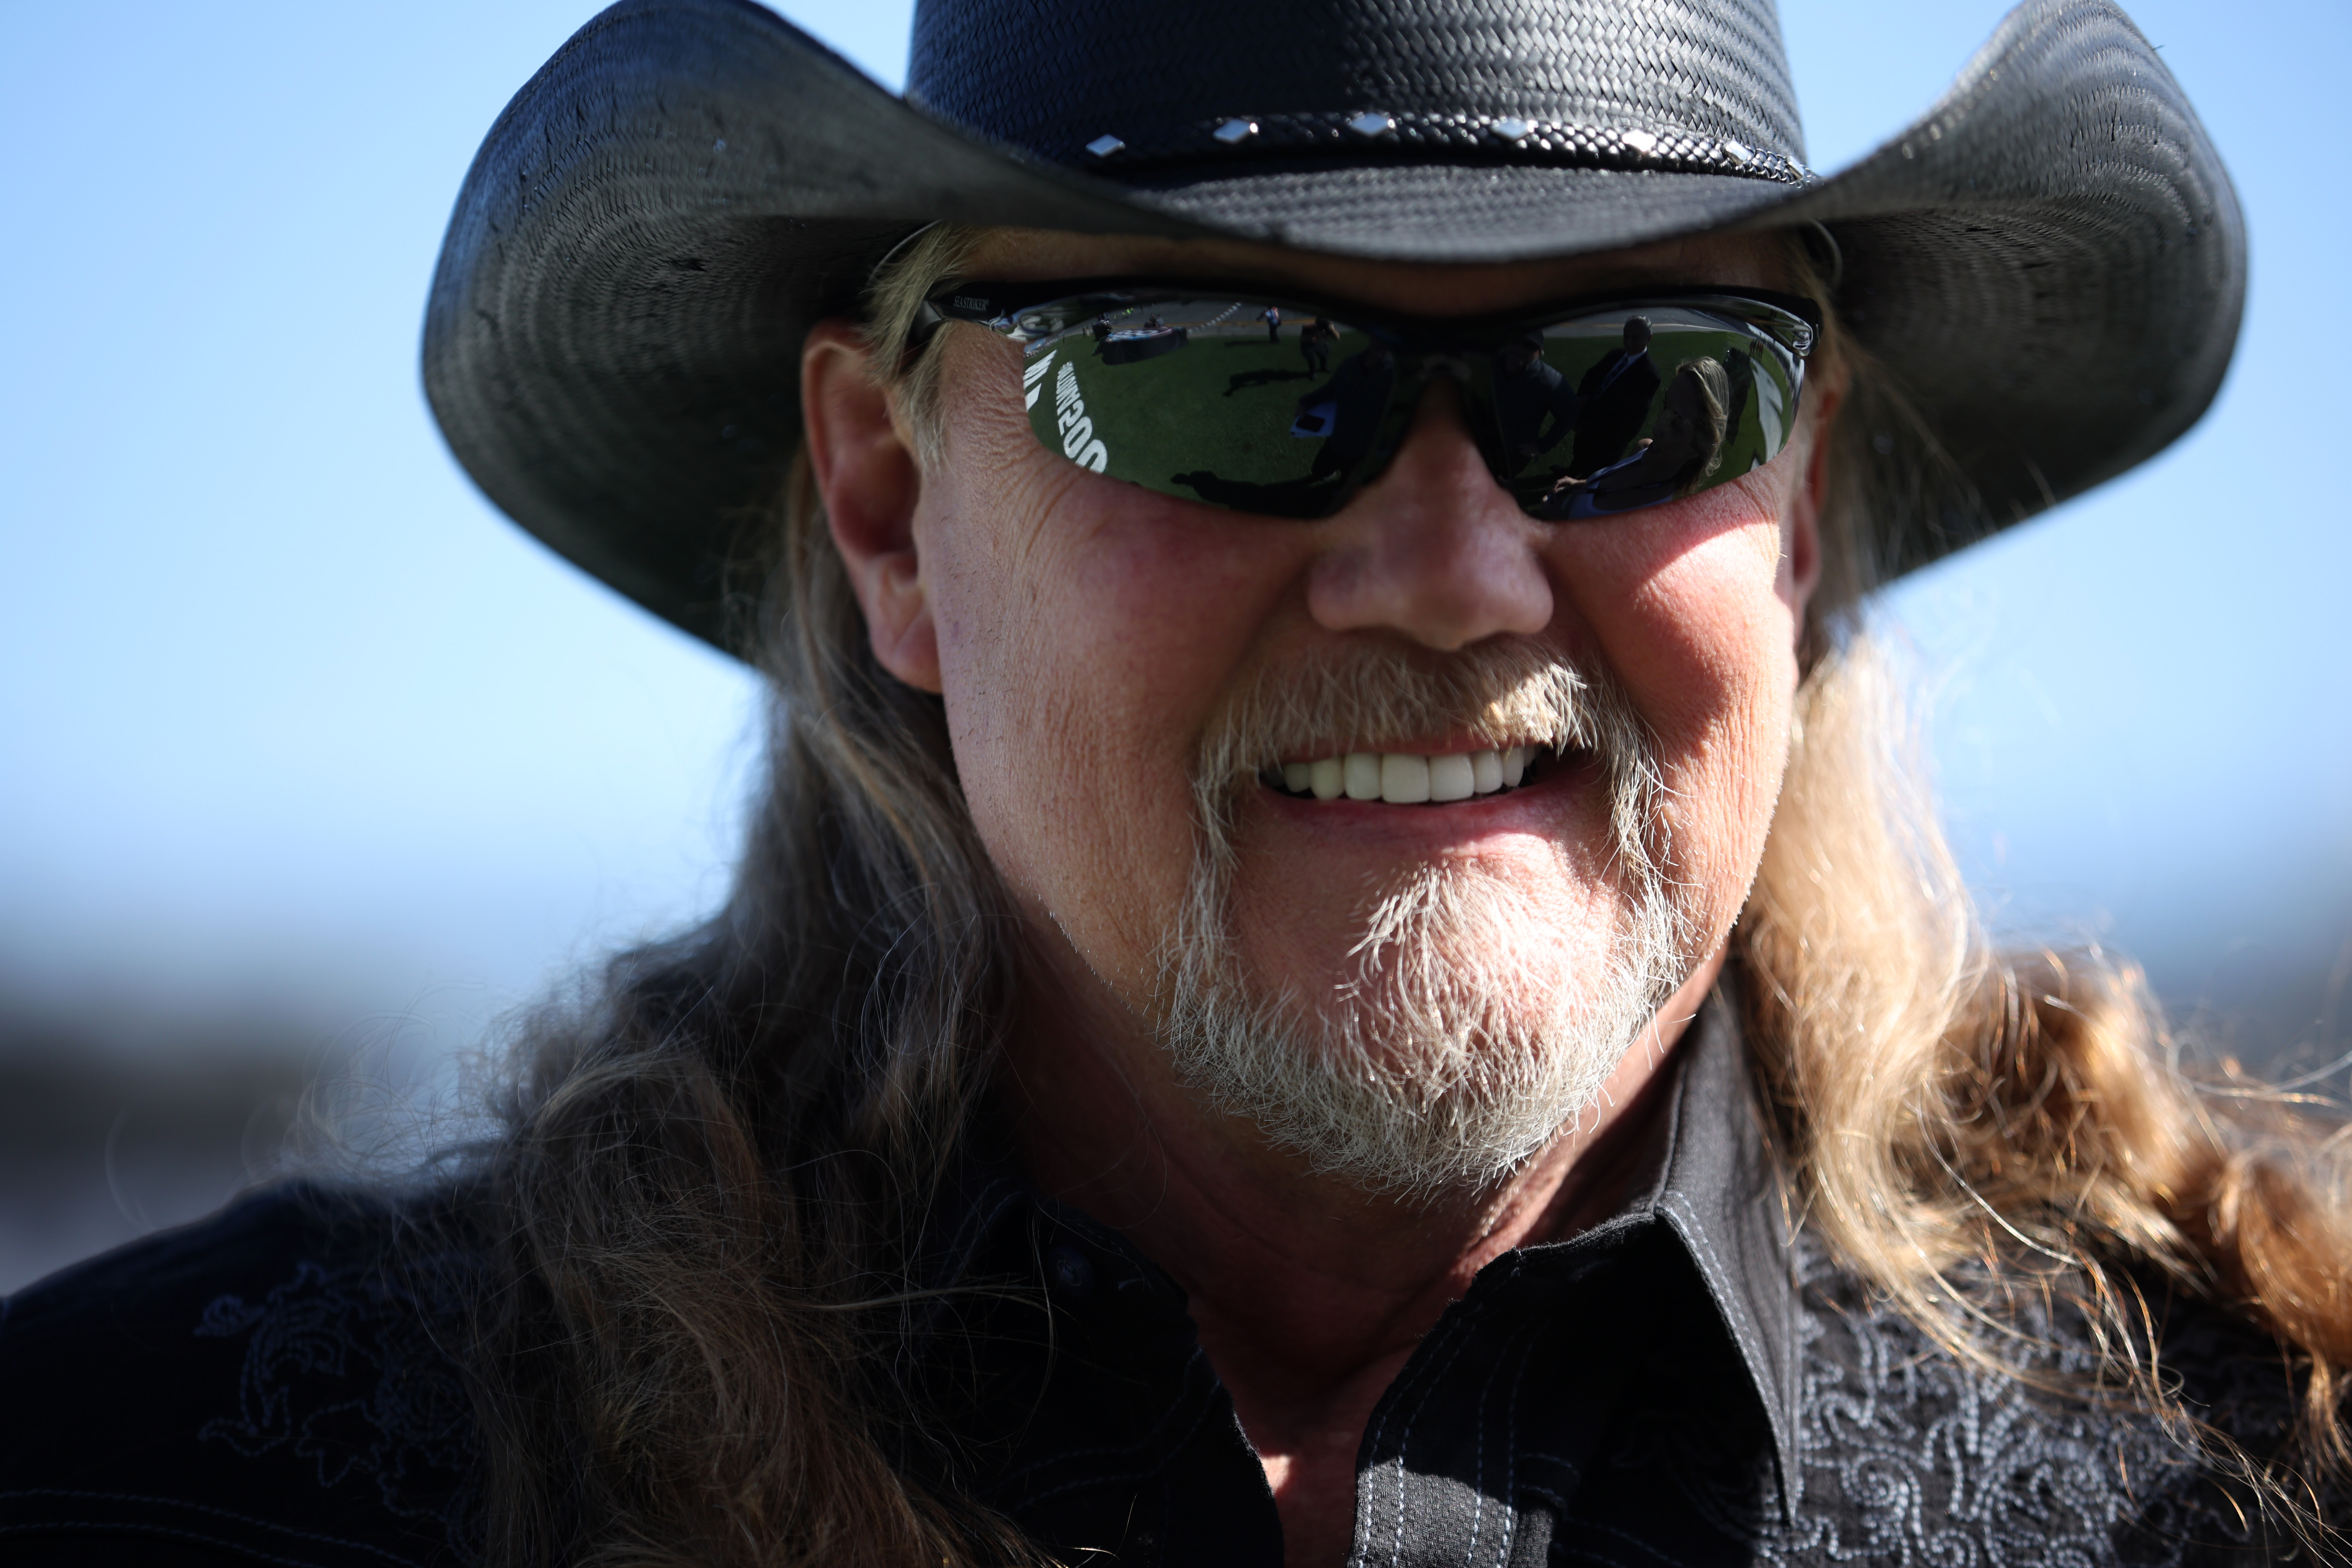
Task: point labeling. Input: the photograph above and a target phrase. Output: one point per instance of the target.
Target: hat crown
(1052, 77)
(2049, 263)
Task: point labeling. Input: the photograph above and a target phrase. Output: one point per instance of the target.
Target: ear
(870, 483)
(1801, 529)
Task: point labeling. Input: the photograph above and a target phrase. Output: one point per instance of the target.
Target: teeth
(1451, 778)
(1404, 778)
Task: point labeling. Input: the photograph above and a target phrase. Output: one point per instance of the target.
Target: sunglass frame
(1032, 313)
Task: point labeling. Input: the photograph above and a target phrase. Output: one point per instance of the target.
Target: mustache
(1459, 1043)
(1499, 693)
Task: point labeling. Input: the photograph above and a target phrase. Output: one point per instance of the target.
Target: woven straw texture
(1163, 78)
(2050, 262)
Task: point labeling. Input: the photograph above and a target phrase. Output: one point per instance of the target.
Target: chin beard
(1471, 1031)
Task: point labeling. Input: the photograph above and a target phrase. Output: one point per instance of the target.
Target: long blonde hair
(1944, 1102)
(703, 1212)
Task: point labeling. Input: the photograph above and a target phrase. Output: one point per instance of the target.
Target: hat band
(1506, 138)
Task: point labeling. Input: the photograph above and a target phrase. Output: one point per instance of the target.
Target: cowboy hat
(2047, 267)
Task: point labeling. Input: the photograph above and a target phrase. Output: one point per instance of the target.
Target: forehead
(1746, 261)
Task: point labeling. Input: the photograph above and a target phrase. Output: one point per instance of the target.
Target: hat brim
(2048, 268)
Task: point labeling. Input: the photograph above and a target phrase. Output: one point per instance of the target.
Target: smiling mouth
(1406, 778)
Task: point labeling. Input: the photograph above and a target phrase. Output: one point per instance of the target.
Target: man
(1356, 397)
(1535, 408)
(1417, 1033)
(1315, 341)
(1616, 394)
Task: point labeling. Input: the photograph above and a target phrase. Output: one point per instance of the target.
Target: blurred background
(310, 764)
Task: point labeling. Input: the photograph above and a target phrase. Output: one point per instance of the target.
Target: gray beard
(1467, 1036)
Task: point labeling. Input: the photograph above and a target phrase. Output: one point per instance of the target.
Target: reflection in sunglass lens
(1217, 400)
(1603, 414)
(1247, 404)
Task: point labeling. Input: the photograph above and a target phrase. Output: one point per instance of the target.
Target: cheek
(1086, 630)
(1685, 606)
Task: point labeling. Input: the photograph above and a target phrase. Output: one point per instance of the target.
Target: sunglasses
(1266, 403)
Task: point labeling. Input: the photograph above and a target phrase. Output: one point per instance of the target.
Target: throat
(1309, 1448)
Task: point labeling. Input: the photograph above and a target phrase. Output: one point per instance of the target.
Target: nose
(1434, 549)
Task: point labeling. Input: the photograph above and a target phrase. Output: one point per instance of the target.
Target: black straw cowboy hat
(2049, 263)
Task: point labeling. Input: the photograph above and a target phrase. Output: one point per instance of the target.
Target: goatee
(1470, 1029)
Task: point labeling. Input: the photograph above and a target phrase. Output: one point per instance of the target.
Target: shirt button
(1070, 1269)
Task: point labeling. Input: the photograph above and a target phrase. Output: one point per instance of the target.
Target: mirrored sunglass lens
(1243, 404)
(1601, 415)
(1237, 402)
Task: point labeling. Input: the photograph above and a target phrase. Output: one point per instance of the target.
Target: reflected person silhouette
(1685, 447)
(1315, 341)
(1527, 394)
(1614, 397)
(1740, 376)
(1356, 394)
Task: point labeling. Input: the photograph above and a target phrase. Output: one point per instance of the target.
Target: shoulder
(277, 1383)
(1909, 1448)
(2246, 1392)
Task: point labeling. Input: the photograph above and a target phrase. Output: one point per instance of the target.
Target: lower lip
(1533, 807)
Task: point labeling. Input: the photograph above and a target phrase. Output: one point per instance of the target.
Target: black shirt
(1687, 1384)
(275, 1385)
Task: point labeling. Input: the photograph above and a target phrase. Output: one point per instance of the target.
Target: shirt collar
(1716, 1187)
(1726, 1198)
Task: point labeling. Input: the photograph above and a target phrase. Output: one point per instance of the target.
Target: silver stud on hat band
(1521, 137)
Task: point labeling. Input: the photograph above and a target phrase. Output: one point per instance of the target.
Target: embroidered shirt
(1686, 1384)
(277, 1384)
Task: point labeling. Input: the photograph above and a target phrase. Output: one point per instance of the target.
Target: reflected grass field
(1213, 409)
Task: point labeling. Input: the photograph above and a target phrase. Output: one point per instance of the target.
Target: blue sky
(291, 714)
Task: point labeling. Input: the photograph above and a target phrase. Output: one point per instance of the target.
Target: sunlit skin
(1083, 632)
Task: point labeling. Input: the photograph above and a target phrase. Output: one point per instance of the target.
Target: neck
(1309, 1292)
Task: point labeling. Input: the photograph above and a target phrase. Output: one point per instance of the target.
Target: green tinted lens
(1265, 409)
(1212, 400)
(1609, 413)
